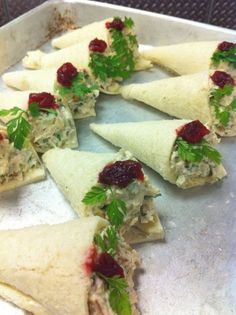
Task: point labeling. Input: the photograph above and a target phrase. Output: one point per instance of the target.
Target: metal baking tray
(193, 272)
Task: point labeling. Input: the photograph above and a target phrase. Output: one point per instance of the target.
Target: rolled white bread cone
(152, 143)
(85, 33)
(77, 54)
(183, 58)
(184, 97)
(76, 177)
(43, 272)
(38, 80)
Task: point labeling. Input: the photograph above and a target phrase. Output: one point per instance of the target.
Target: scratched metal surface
(194, 271)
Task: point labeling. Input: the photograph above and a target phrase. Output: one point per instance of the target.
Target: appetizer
(194, 57)
(77, 267)
(74, 89)
(179, 150)
(209, 97)
(48, 124)
(112, 186)
(109, 62)
(18, 167)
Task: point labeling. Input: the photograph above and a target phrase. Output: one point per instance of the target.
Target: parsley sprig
(121, 62)
(196, 152)
(115, 210)
(225, 56)
(79, 87)
(118, 295)
(19, 127)
(222, 112)
(107, 242)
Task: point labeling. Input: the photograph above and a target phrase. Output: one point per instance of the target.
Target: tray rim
(125, 9)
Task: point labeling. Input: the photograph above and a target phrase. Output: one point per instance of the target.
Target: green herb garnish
(78, 87)
(96, 195)
(115, 210)
(196, 152)
(108, 242)
(222, 112)
(118, 295)
(225, 56)
(121, 62)
(35, 110)
(18, 128)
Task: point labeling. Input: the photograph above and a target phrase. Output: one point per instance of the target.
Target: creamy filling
(98, 299)
(138, 197)
(14, 163)
(230, 128)
(79, 106)
(190, 174)
(53, 130)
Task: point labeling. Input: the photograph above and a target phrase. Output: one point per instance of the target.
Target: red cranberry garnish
(90, 259)
(66, 73)
(2, 136)
(121, 173)
(108, 266)
(116, 23)
(97, 45)
(222, 78)
(193, 132)
(225, 46)
(44, 99)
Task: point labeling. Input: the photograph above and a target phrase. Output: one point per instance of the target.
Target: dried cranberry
(222, 78)
(108, 266)
(90, 260)
(121, 173)
(2, 136)
(193, 132)
(97, 45)
(116, 23)
(66, 73)
(225, 46)
(44, 99)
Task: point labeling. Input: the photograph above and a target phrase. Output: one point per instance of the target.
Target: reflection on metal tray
(191, 273)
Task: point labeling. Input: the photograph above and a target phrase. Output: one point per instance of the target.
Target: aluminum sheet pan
(193, 272)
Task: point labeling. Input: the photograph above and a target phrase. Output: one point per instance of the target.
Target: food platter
(193, 270)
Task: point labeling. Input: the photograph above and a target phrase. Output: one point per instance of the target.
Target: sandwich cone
(44, 271)
(150, 142)
(79, 174)
(77, 54)
(183, 58)
(184, 97)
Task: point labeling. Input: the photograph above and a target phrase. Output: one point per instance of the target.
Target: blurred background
(216, 12)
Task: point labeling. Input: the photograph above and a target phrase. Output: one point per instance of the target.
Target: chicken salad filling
(193, 160)
(111, 264)
(124, 194)
(76, 90)
(14, 163)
